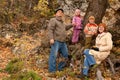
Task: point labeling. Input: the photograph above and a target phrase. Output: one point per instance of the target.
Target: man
(57, 36)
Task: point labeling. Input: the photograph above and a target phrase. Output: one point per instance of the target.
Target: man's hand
(95, 48)
(51, 41)
(73, 24)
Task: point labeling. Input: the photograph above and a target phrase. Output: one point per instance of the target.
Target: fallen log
(111, 65)
(99, 75)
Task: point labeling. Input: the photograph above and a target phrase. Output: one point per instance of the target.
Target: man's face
(59, 13)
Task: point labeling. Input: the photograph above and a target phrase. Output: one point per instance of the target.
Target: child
(76, 26)
(90, 30)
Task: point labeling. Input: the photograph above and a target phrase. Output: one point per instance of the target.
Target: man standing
(57, 36)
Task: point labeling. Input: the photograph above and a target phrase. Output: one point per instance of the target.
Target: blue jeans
(88, 61)
(62, 48)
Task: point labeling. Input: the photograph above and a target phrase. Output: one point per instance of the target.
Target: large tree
(96, 8)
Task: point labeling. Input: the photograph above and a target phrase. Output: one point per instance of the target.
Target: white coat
(104, 43)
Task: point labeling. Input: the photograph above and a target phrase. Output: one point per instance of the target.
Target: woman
(100, 51)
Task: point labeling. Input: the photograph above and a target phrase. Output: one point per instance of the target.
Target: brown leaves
(5, 57)
(27, 46)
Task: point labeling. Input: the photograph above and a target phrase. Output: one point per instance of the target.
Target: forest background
(24, 45)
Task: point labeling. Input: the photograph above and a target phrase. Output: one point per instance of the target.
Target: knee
(86, 51)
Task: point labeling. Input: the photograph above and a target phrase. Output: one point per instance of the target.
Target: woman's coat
(104, 43)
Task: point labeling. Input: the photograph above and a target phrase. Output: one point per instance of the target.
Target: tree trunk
(96, 8)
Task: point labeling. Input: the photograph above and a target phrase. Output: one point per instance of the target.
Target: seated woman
(99, 52)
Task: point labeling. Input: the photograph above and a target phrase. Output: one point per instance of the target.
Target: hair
(103, 25)
(77, 10)
(91, 17)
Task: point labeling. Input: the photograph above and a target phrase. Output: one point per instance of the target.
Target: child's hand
(89, 32)
(93, 33)
(52, 41)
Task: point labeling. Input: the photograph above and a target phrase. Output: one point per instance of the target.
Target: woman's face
(101, 29)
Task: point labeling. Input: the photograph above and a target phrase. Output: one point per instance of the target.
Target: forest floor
(39, 64)
(42, 70)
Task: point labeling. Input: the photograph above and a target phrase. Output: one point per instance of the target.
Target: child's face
(91, 20)
(77, 12)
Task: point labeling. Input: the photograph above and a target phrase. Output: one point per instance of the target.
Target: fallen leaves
(5, 57)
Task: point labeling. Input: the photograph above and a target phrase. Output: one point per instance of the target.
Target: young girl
(76, 21)
(90, 30)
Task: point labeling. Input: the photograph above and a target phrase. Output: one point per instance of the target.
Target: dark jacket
(57, 29)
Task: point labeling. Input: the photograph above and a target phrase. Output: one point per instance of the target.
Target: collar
(92, 24)
(101, 34)
(59, 18)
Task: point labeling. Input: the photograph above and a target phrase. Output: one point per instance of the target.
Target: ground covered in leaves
(24, 46)
(24, 58)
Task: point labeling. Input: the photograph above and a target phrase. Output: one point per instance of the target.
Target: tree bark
(96, 8)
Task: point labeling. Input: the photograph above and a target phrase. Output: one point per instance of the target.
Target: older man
(57, 37)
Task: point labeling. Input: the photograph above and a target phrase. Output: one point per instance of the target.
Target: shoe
(52, 74)
(69, 57)
(94, 66)
(82, 76)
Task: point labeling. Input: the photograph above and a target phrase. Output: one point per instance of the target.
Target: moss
(1, 70)
(30, 75)
(14, 66)
(69, 72)
(60, 74)
(72, 74)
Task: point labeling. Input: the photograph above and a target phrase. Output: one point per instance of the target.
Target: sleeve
(68, 26)
(96, 32)
(73, 20)
(82, 23)
(109, 45)
(86, 29)
(51, 28)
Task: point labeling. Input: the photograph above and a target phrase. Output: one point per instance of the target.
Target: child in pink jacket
(76, 21)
